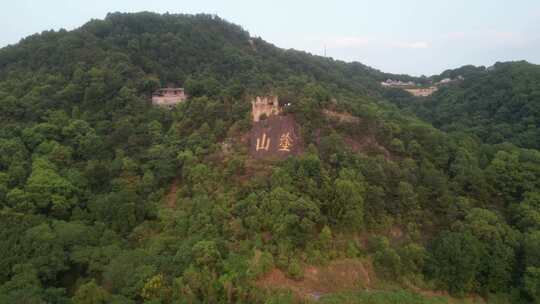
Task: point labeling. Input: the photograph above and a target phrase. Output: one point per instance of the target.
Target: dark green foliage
(387, 263)
(456, 261)
(91, 293)
(531, 283)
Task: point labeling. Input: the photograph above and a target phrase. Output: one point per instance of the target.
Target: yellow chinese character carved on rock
(285, 142)
(263, 144)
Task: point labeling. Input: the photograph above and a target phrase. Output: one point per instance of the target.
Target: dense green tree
(532, 283)
(128, 272)
(455, 261)
(500, 242)
(347, 207)
(526, 214)
(91, 293)
(49, 191)
(388, 264)
(25, 287)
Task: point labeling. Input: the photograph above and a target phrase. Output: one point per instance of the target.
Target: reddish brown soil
(339, 275)
(367, 145)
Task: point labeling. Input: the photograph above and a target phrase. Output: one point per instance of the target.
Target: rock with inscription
(275, 137)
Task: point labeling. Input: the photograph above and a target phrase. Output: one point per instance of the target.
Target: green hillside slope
(105, 198)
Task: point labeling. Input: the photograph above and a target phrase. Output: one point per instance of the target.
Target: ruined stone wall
(422, 92)
(169, 97)
(267, 105)
(167, 100)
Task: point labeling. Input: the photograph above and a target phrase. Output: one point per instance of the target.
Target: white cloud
(348, 42)
(490, 38)
(372, 43)
(412, 45)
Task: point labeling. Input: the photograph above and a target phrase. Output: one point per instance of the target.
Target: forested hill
(174, 48)
(498, 104)
(105, 198)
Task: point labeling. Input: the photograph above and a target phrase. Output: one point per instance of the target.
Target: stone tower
(267, 105)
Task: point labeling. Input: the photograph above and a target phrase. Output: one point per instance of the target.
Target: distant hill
(497, 104)
(177, 47)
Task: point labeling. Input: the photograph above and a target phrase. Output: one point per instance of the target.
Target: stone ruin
(267, 105)
(168, 97)
(422, 92)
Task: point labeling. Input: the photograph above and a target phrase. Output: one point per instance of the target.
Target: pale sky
(415, 37)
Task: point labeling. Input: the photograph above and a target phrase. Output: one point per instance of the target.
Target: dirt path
(171, 196)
